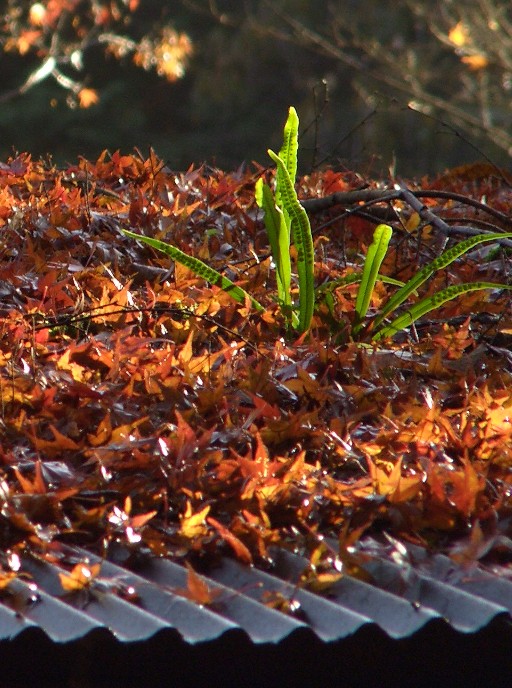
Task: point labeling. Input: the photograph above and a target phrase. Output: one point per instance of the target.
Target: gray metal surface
(401, 598)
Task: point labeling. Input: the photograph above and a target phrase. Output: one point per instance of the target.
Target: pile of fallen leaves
(143, 407)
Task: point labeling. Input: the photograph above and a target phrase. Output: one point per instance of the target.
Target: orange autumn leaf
(80, 577)
(35, 486)
(124, 433)
(171, 54)
(25, 41)
(186, 351)
(37, 14)
(87, 97)
(142, 519)
(468, 552)
(59, 444)
(103, 432)
(198, 590)
(324, 570)
(193, 525)
(322, 582)
(6, 577)
(123, 517)
(392, 484)
(241, 551)
(475, 62)
(78, 372)
(263, 408)
(459, 487)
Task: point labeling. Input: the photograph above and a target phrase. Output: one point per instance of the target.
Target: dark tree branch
(370, 196)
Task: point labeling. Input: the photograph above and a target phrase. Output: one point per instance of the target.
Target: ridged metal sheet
(401, 599)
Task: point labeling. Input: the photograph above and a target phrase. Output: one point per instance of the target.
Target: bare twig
(371, 196)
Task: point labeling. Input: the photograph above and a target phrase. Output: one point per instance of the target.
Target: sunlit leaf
(459, 35)
(303, 241)
(392, 484)
(443, 261)
(374, 257)
(87, 97)
(35, 486)
(193, 525)
(80, 577)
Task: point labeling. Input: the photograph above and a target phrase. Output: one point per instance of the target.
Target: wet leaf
(80, 577)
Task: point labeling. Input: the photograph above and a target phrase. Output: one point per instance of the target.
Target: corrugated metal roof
(401, 598)
(410, 613)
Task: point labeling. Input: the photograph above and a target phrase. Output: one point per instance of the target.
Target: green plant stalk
(277, 219)
(199, 268)
(279, 239)
(430, 303)
(376, 254)
(303, 240)
(438, 264)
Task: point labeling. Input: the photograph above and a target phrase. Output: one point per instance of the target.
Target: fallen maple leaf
(241, 551)
(35, 486)
(80, 577)
(193, 525)
(198, 590)
(392, 484)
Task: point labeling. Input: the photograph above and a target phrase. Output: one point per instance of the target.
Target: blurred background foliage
(415, 87)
